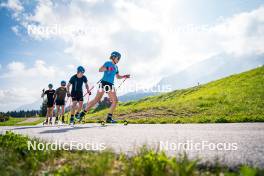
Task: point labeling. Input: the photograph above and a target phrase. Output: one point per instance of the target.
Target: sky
(43, 41)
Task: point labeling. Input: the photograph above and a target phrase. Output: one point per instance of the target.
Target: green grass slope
(237, 98)
(21, 122)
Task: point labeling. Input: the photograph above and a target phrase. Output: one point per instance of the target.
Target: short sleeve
(72, 80)
(46, 92)
(85, 79)
(106, 64)
(117, 70)
(56, 92)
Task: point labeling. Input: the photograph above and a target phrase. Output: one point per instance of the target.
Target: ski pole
(88, 92)
(91, 88)
(121, 83)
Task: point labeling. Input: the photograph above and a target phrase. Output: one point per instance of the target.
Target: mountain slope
(237, 98)
(211, 69)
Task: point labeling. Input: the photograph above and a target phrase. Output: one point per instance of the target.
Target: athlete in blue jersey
(111, 72)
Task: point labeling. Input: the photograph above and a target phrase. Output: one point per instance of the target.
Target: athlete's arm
(87, 87)
(102, 69)
(68, 89)
(118, 76)
(55, 95)
(43, 93)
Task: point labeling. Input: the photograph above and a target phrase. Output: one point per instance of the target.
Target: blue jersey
(109, 76)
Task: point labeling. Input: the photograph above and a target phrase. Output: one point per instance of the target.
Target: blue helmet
(63, 82)
(50, 85)
(116, 54)
(80, 69)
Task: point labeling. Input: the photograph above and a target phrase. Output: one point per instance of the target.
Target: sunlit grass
(19, 122)
(237, 98)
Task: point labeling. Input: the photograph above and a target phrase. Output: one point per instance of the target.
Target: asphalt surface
(229, 144)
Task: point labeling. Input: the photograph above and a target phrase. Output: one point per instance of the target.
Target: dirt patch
(29, 120)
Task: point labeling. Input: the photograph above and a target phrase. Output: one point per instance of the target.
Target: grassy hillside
(237, 98)
(21, 121)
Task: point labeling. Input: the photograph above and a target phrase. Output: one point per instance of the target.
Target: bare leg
(73, 108)
(62, 110)
(97, 98)
(79, 108)
(114, 100)
(58, 111)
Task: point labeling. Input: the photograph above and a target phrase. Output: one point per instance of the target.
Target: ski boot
(62, 120)
(80, 116)
(57, 120)
(45, 122)
(72, 120)
(50, 121)
(109, 119)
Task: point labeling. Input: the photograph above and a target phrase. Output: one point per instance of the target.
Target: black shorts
(60, 102)
(50, 104)
(77, 96)
(106, 86)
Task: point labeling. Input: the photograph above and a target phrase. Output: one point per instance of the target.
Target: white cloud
(22, 84)
(15, 29)
(145, 32)
(242, 34)
(18, 69)
(14, 5)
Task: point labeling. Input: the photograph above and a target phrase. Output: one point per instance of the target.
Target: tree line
(22, 113)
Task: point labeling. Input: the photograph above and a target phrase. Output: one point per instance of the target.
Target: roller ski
(57, 121)
(63, 120)
(50, 121)
(45, 122)
(80, 116)
(103, 123)
(109, 119)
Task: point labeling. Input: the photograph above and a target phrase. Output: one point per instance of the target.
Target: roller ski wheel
(125, 122)
(103, 123)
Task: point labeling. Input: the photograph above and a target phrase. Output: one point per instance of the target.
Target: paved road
(237, 143)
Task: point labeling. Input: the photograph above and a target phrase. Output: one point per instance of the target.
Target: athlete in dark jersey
(60, 95)
(50, 103)
(77, 82)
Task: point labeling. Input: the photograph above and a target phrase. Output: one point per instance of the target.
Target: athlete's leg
(62, 110)
(62, 113)
(57, 110)
(52, 110)
(49, 114)
(57, 113)
(80, 106)
(93, 102)
(114, 100)
(73, 108)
